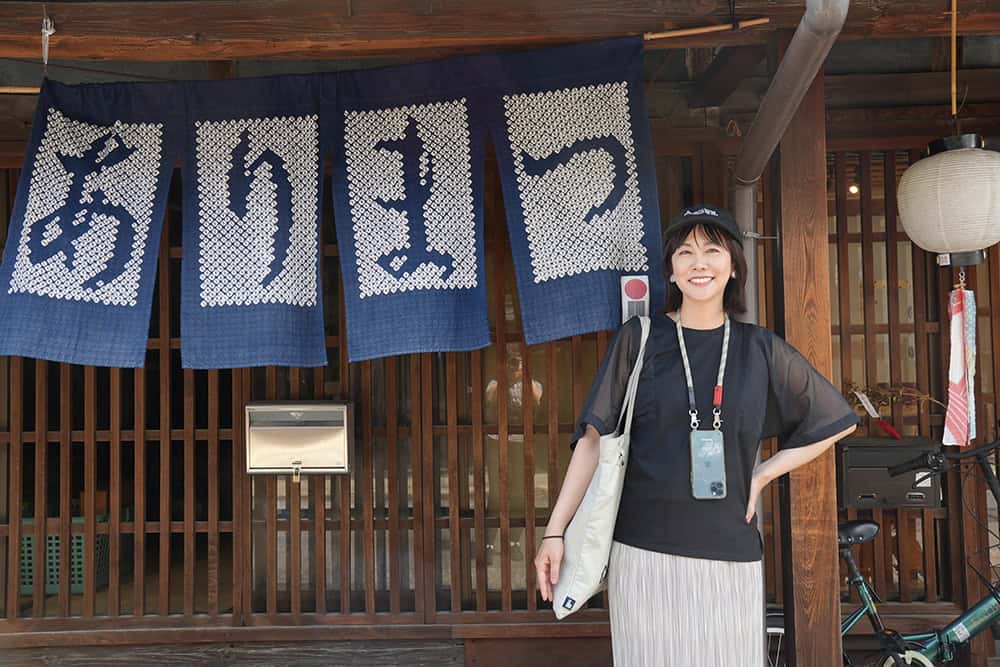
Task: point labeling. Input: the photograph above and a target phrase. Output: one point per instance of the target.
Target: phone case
(708, 465)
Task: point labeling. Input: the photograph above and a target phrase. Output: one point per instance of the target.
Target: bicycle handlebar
(927, 460)
(935, 461)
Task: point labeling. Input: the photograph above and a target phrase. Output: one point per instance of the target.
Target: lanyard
(717, 394)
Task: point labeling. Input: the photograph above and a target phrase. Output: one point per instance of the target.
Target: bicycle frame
(939, 644)
(930, 644)
(867, 607)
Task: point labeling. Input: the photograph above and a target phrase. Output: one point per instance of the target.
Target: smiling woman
(694, 571)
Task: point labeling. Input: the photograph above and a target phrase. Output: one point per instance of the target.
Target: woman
(685, 581)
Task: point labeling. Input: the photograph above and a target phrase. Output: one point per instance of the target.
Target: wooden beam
(893, 127)
(724, 75)
(812, 507)
(698, 61)
(230, 29)
(941, 54)
(897, 121)
(669, 139)
(901, 89)
(910, 89)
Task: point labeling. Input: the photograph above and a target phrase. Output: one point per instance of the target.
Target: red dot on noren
(635, 289)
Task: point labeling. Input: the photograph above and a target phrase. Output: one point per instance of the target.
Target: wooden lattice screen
(890, 329)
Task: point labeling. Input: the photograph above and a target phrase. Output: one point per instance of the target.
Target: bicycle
(925, 649)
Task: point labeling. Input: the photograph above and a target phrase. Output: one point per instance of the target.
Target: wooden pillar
(974, 554)
(6, 197)
(4, 480)
(811, 570)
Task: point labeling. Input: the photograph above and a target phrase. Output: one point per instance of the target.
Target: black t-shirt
(769, 390)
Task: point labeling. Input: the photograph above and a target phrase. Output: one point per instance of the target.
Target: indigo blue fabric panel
(251, 293)
(408, 206)
(576, 162)
(79, 264)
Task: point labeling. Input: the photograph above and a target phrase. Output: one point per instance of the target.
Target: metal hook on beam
(48, 29)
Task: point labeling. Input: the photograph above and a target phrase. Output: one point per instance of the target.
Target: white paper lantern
(950, 202)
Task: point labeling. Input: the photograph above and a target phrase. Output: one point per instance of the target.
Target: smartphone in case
(708, 465)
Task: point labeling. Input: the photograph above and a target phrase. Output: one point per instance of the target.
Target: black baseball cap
(705, 215)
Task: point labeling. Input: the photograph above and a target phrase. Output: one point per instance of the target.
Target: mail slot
(298, 438)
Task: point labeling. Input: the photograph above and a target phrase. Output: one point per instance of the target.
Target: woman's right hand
(547, 562)
(581, 469)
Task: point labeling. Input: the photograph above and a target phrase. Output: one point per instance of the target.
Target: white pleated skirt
(674, 611)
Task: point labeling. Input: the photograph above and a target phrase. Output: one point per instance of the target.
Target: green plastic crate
(77, 558)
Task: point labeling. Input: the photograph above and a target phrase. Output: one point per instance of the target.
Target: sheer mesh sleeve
(802, 406)
(604, 403)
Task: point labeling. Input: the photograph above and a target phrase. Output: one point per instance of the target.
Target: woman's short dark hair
(733, 300)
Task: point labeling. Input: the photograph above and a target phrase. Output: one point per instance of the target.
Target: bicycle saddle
(856, 532)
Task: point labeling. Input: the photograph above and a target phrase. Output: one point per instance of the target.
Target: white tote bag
(587, 540)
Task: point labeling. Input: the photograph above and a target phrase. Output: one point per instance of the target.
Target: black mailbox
(863, 480)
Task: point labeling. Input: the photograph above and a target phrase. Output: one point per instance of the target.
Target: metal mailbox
(863, 480)
(296, 438)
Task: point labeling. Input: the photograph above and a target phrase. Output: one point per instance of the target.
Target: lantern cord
(954, 58)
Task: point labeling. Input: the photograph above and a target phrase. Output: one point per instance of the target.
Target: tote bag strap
(633, 380)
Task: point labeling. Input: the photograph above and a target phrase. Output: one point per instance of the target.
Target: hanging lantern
(949, 202)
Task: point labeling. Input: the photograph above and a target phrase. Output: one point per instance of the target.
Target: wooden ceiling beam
(902, 89)
(730, 66)
(896, 127)
(315, 29)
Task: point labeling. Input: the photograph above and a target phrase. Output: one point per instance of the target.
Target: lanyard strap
(717, 394)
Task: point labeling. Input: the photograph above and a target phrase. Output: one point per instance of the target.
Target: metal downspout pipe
(812, 41)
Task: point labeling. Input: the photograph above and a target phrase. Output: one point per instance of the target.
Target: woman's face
(701, 268)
